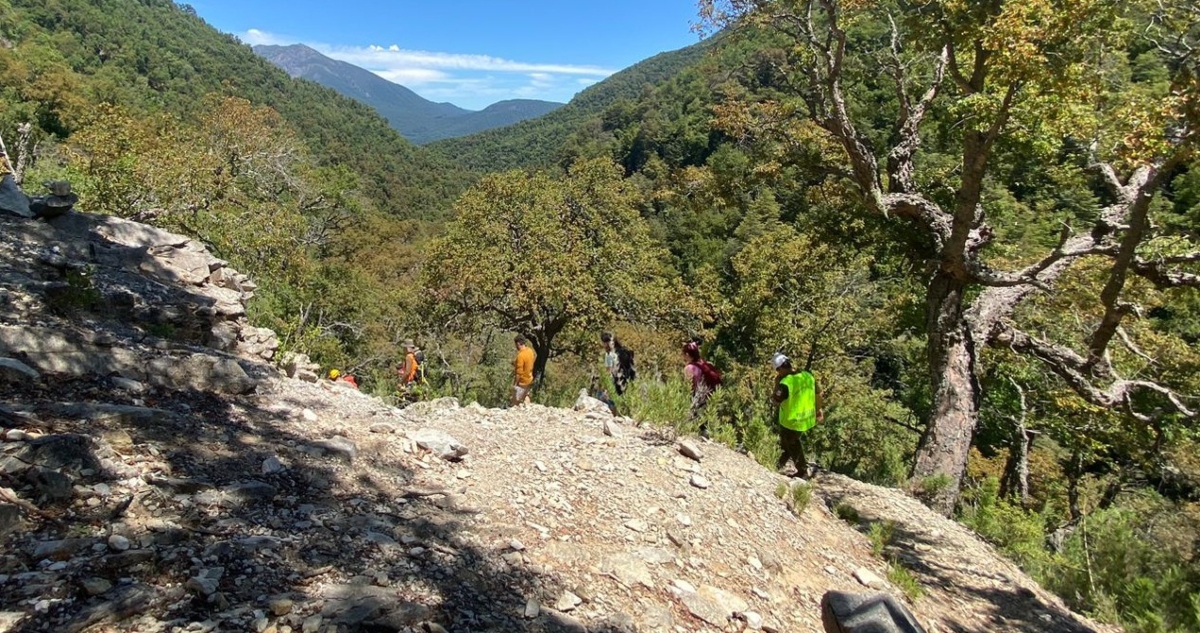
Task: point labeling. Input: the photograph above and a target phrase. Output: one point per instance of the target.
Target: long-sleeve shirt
(523, 366)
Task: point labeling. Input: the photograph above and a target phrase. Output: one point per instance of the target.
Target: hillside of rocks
(158, 473)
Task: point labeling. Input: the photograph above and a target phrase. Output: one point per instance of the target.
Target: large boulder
(13, 370)
(587, 404)
(12, 199)
(844, 612)
(439, 443)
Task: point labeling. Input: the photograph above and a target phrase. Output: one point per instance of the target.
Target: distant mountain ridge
(536, 143)
(416, 118)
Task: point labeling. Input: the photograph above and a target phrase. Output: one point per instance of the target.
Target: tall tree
(999, 71)
(549, 257)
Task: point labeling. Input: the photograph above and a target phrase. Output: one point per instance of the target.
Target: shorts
(521, 394)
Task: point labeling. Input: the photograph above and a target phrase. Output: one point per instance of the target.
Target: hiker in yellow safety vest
(800, 409)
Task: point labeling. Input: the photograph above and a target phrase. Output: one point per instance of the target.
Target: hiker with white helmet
(800, 409)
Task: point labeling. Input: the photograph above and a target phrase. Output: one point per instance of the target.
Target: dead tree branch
(1074, 368)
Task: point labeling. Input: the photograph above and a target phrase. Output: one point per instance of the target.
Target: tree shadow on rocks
(189, 511)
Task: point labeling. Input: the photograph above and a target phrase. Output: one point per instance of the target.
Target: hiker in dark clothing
(618, 360)
(800, 409)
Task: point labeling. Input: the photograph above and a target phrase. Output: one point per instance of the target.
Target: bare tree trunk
(1016, 469)
(24, 131)
(1074, 473)
(946, 443)
(541, 346)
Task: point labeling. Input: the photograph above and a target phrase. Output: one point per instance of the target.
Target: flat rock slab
(9, 620)
(868, 578)
(62, 549)
(60, 452)
(13, 370)
(122, 604)
(338, 446)
(628, 569)
(10, 519)
(238, 494)
(714, 606)
(355, 605)
(690, 450)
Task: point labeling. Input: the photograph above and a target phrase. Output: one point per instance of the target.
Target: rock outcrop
(85, 295)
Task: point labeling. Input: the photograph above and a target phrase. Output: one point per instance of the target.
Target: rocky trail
(157, 474)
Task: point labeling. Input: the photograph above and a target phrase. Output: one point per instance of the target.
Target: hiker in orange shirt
(410, 370)
(522, 371)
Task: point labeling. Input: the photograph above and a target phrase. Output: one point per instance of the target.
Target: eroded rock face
(87, 295)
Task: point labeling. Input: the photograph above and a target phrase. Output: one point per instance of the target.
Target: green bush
(801, 496)
(1018, 533)
(903, 579)
(880, 533)
(796, 495)
(664, 404)
(1111, 568)
(847, 513)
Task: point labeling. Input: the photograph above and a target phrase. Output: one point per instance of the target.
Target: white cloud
(255, 37)
(413, 76)
(468, 79)
(373, 57)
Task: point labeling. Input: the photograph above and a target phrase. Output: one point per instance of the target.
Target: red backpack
(709, 373)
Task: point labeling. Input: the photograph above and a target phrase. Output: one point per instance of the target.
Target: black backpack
(419, 355)
(625, 363)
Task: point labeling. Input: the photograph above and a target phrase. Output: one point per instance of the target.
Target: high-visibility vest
(799, 411)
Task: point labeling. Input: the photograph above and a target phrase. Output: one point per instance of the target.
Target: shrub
(929, 487)
(660, 403)
(880, 534)
(796, 495)
(801, 496)
(903, 579)
(847, 513)
(1112, 569)
(1020, 534)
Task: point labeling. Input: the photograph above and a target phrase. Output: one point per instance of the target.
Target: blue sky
(469, 52)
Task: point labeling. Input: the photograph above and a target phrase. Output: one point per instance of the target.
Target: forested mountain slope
(69, 55)
(537, 142)
(416, 118)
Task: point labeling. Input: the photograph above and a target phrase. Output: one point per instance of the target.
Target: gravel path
(311, 507)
